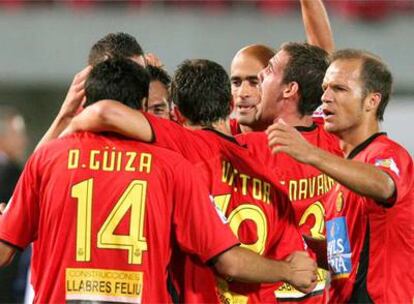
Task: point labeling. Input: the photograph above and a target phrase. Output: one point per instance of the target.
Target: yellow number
(255, 214)
(83, 193)
(317, 211)
(134, 198)
(242, 213)
(236, 218)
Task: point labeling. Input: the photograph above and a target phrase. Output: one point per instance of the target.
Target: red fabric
(391, 237)
(47, 203)
(305, 185)
(258, 212)
(234, 127)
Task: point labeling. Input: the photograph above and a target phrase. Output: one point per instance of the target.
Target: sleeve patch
(388, 163)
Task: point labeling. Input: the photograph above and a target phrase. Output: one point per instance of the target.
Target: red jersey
(371, 245)
(234, 127)
(306, 187)
(259, 214)
(103, 212)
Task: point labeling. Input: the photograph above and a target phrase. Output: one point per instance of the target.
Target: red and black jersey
(371, 244)
(234, 127)
(258, 213)
(103, 213)
(305, 185)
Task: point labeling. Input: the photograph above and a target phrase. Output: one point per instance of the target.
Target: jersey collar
(364, 144)
(306, 129)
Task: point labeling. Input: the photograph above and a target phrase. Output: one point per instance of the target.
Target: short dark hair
(375, 75)
(201, 90)
(114, 45)
(306, 66)
(157, 73)
(119, 79)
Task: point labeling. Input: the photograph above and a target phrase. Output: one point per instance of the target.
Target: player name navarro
(109, 160)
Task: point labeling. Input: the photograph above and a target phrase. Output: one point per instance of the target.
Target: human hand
(302, 274)
(285, 138)
(76, 94)
(153, 60)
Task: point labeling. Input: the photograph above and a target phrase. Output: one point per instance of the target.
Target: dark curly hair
(119, 79)
(201, 90)
(114, 45)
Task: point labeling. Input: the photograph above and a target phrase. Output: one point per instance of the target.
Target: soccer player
(258, 213)
(291, 88)
(104, 211)
(158, 102)
(251, 60)
(370, 213)
(116, 45)
(112, 45)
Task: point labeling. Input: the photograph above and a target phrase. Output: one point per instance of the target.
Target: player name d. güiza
(109, 159)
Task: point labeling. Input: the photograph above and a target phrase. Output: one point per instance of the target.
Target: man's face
(272, 86)
(158, 100)
(343, 98)
(245, 87)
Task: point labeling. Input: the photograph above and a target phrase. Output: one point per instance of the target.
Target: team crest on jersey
(388, 163)
(339, 202)
(339, 248)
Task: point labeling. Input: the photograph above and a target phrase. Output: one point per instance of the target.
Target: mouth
(244, 109)
(328, 114)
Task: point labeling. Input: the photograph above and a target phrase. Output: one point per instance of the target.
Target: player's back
(305, 185)
(259, 214)
(105, 219)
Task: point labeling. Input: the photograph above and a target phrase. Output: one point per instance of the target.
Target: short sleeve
(398, 164)
(170, 135)
(19, 223)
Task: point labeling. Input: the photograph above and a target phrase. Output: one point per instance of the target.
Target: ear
(291, 89)
(372, 102)
(144, 104)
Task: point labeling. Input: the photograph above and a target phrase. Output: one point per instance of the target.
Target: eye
(235, 82)
(339, 88)
(254, 82)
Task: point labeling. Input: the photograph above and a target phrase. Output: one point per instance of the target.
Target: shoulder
(252, 138)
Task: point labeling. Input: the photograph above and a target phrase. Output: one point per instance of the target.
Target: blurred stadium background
(44, 43)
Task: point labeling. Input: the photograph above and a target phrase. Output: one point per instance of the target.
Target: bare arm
(6, 254)
(112, 116)
(364, 179)
(69, 108)
(245, 265)
(316, 23)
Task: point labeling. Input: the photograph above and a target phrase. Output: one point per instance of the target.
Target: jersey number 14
(134, 242)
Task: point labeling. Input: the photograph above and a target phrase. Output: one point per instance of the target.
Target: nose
(245, 90)
(327, 96)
